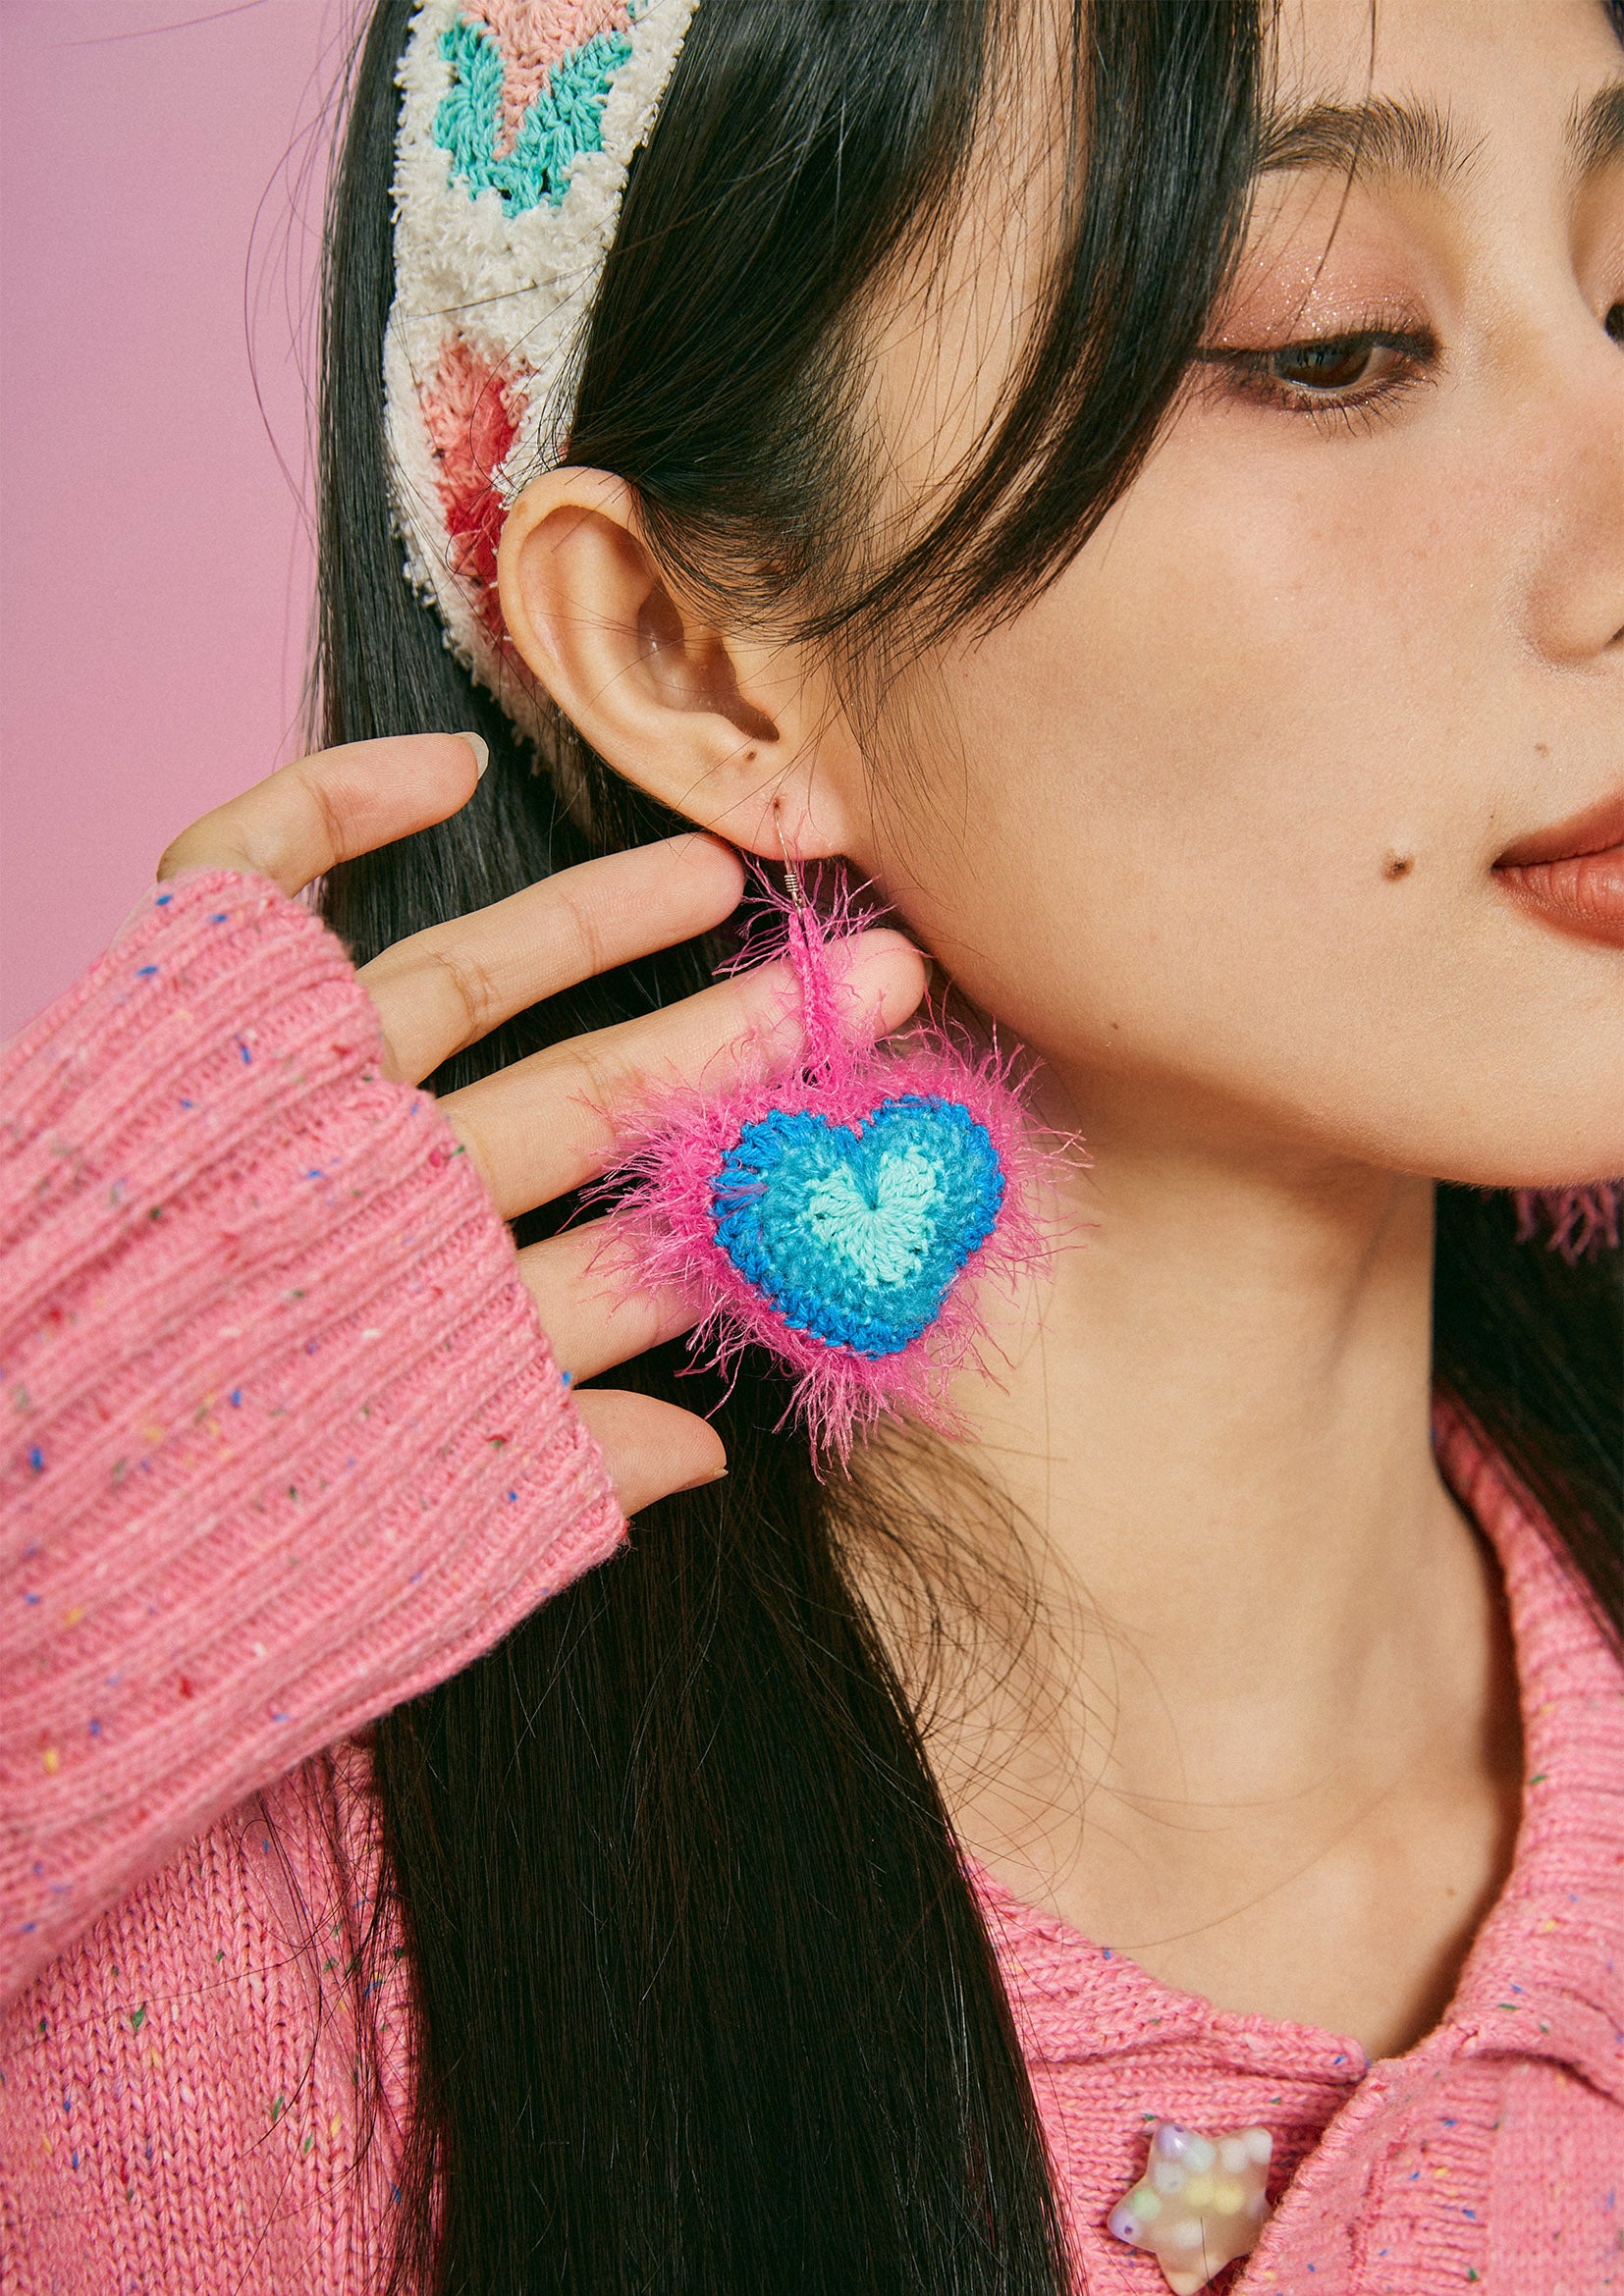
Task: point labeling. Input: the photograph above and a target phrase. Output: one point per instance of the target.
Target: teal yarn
(855, 1233)
(567, 117)
(884, 1228)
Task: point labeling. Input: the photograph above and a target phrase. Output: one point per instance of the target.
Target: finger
(591, 1320)
(453, 983)
(325, 808)
(650, 1448)
(549, 1123)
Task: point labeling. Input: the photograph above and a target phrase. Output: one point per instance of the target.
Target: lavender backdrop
(160, 178)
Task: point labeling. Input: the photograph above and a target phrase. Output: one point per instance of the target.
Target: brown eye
(1615, 322)
(1349, 378)
(1341, 364)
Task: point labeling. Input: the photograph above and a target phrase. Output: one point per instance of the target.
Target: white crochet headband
(518, 121)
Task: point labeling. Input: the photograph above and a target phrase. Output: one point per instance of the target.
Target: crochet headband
(518, 121)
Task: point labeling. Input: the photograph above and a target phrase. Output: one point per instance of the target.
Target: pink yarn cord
(1582, 1221)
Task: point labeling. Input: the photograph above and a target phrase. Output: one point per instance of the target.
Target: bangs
(783, 188)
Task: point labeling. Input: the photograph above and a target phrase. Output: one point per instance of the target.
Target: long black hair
(703, 2000)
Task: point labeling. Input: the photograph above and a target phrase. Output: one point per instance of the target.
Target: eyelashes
(1343, 382)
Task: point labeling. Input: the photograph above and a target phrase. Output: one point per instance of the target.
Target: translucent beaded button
(1198, 2204)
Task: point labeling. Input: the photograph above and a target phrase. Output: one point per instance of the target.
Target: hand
(546, 1124)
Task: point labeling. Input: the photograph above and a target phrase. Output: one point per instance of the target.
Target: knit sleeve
(283, 1442)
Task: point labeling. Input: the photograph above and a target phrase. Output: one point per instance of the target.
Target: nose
(1575, 597)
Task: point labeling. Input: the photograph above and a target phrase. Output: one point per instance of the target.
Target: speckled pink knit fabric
(288, 1446)
(285, 1443)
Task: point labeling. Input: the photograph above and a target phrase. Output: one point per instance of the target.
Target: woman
(1145, 494)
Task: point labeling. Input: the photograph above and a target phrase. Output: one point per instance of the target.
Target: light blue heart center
(855, 1232)
(886, 1238)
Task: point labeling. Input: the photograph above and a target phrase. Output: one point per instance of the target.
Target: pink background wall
(154, 572)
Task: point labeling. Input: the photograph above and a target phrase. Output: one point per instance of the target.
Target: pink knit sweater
(286, 1447)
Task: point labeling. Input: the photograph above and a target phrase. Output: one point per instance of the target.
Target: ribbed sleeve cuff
(285, 1444)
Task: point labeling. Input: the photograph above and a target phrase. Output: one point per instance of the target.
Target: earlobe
(716, 726)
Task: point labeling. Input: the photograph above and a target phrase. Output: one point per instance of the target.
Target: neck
(1213, 1426)
(1218, 1413)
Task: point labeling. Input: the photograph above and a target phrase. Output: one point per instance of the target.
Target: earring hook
(791, 873)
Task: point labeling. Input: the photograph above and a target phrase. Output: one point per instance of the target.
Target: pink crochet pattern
(294, 1448)
(471, 414)
(285, 1442)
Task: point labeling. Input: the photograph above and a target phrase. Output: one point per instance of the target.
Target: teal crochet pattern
(565, 118)
(854, 1232)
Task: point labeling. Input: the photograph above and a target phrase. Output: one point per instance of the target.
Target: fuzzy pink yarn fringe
(1581, 1219)
(664, 1230)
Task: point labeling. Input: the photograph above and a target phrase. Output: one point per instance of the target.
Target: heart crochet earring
(844, 1217)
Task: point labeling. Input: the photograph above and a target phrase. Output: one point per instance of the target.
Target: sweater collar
(1544, 1974)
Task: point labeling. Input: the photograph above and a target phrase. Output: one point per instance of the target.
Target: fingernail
(481, 749)
(700, 1482)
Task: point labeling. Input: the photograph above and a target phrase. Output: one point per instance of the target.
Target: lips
(1572, 875)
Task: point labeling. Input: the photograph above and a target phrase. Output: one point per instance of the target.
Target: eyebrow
(1391, 136)
(1595, 132)
(1384, 136)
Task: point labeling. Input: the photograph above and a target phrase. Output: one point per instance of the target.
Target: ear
(717, 726)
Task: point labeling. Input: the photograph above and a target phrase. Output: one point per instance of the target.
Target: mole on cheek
(1397, 861)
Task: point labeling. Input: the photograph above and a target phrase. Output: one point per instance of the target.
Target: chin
(1596, 1166)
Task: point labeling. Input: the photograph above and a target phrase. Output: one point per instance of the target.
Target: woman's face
(1213, 824)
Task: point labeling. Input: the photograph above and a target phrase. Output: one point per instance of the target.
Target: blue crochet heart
(855, 1233)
